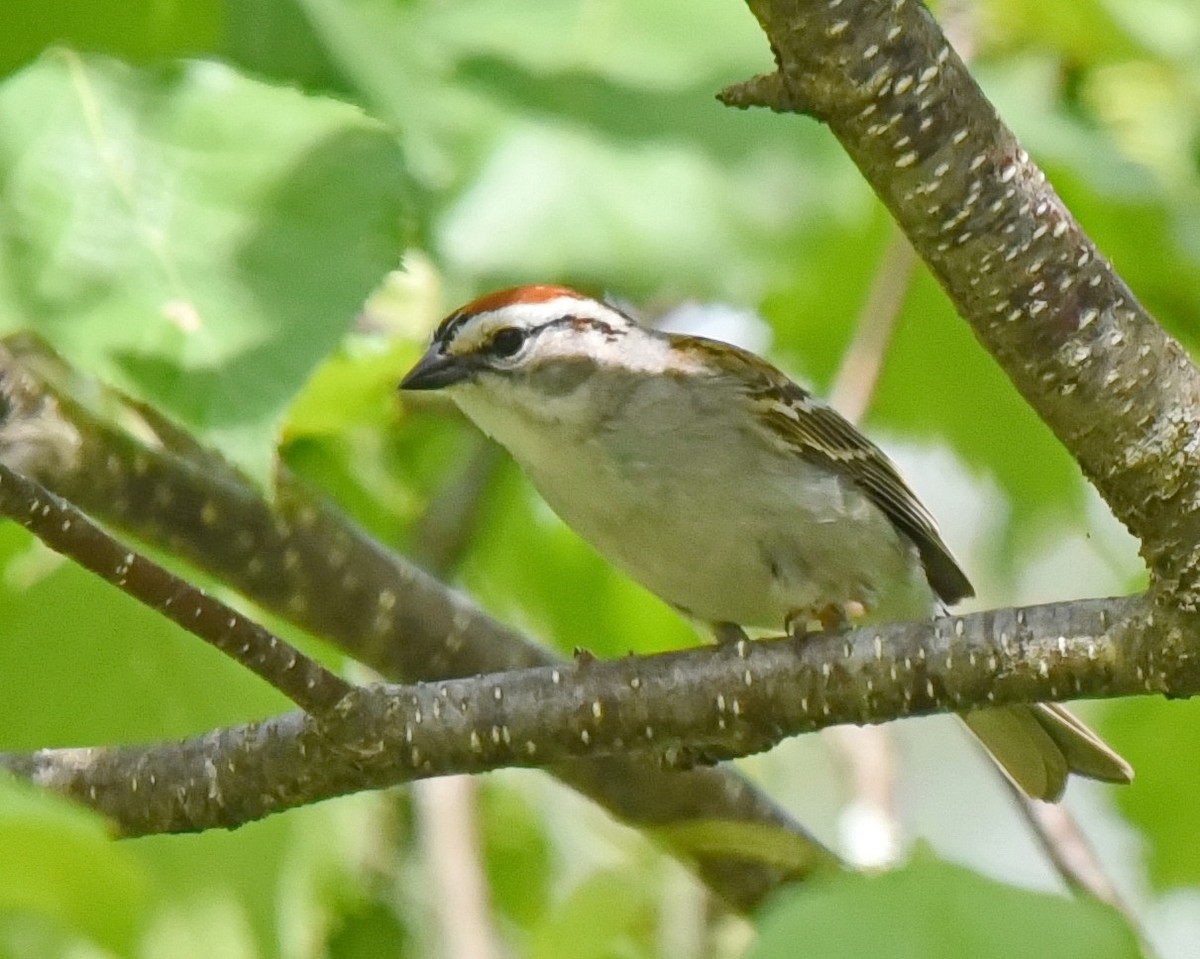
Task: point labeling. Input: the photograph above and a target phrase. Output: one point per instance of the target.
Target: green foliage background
(201, 202)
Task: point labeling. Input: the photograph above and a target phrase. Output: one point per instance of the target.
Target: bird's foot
(830, 618)
(727, 634)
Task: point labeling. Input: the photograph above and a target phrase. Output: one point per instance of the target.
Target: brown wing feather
(822, 435)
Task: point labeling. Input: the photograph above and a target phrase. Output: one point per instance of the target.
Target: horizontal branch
(672, 711)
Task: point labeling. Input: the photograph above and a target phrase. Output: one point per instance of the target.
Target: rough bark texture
(302, 559)
(637, 716)
(1120, 393)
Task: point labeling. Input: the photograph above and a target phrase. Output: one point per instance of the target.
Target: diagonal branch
(59, 525)
(300, 558)
(1119, 392)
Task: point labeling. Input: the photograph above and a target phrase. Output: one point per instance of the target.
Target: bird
(721, 486)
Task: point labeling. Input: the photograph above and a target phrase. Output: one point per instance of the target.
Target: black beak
(435, 370)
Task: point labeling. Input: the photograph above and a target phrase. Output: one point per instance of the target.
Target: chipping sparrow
(719, 485)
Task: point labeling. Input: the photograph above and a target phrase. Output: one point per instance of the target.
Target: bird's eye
(507, 341)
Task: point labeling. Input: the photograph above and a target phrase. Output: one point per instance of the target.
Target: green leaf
(644, 213)
(138, 31)
(664, 45)
(354, 387)
(1086, 31)
(198, 238)
(606, 915)
(517, 853)
(57, 860)
(934, 910)
(1157, 736)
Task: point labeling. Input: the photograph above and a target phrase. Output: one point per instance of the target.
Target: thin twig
(447, 807)
(1073, 857)
(458, 892)
(63, 528)
(858, 373)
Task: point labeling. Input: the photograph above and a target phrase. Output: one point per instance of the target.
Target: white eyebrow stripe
(533, 315)
(473, 332)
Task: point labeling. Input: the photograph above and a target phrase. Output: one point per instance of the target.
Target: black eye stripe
(507, 341)
(448, 328)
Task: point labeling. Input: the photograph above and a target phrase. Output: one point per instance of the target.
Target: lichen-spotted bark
(593, 719)
(1122, 395)
(300, 558)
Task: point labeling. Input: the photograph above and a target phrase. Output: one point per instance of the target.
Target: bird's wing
(819, 434)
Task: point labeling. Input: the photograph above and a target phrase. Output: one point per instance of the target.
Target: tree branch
(63, 528)
(1114, 387)
(673, 710)
(304, 561)
(1120, 393)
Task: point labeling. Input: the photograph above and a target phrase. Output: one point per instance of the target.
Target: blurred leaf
(202, 921)
(654, 215)
(136, 30)
(752, 841)
(931, 910)
(368, 930)
(276, 39)
(652, 45)
(219, 889)
(83, 664)
(606, 916)
(385, 475)
(517, 853)
(353, 387)
(56, 859)
(1156, 735)
(548, 160)
(1169, 27)
(814, 310)
(1083, 30)
(622, 114)
(198, 238)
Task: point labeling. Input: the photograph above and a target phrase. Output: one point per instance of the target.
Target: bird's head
(535, 352)
(516, 333)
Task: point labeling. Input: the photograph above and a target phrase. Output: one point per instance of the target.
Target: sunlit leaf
(192, 235)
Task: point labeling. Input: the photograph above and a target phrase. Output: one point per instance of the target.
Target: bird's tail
(1039, 746)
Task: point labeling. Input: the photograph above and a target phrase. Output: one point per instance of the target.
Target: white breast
(709, 516)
